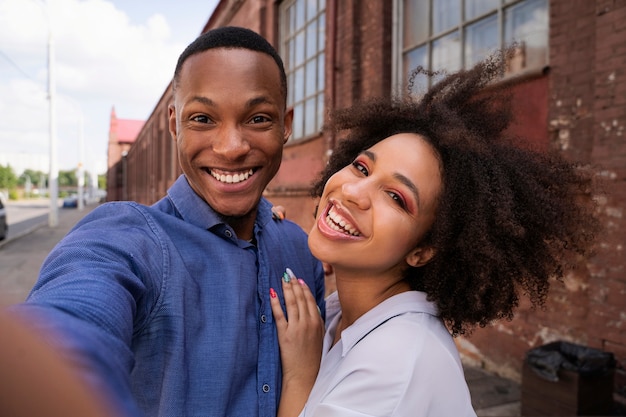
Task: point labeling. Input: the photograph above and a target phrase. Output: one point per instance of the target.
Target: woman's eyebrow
(409, 184)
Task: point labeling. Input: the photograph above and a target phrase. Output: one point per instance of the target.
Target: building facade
(122, 135)
(569, 79)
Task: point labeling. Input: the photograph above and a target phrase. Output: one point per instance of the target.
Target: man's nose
(230, 143)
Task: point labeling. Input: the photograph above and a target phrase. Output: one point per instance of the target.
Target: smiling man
(166, 308)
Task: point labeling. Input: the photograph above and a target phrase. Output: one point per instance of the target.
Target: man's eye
(201, 119)
(260, 119)
(360, 167)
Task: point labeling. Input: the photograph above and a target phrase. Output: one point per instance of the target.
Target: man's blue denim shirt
(169, 310)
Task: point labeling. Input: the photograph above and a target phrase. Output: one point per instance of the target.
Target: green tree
(68, 178)
(8, 179)
(35, 177)
(102, 181)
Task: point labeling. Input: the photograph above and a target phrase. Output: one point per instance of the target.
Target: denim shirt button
(263, 318)
(266, 388)
(228, 233)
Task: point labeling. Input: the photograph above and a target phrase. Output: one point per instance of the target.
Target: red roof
(125, 130)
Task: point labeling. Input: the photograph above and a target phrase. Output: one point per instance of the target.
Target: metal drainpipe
(331, 43)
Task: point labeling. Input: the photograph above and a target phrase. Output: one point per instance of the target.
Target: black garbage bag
(547, 360)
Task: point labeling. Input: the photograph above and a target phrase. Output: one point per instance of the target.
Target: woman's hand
(300, 336)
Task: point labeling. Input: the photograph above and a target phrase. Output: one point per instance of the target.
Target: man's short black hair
(231, 37)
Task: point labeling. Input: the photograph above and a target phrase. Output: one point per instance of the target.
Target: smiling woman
(434, 221)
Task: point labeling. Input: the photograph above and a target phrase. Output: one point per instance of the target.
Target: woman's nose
(357, 192)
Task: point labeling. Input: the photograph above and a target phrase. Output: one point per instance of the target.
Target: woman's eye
(397, 199)
(360, 168)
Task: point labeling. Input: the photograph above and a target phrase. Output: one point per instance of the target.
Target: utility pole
(53, 177)
(81, 167)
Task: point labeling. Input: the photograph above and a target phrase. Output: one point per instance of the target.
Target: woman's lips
(335, 222)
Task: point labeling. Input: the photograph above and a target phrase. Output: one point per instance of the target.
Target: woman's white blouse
(398, 359)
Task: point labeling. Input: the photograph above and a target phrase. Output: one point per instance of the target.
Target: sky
(107, 54)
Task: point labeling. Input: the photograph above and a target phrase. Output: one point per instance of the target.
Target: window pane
(291, 18)
(298, 94)
(299, 14)
(527, 23)
(311, 9)
(311, 78)
(311, 39)
(320, 72)
(446, 15)
(321, 32)
(298, 121)
(481, 38)
(320, 111)
(447, 53)
(415, 22)
(475, 8)
(291, 53)
(299, 52)
(310, 117)
(412, 60)
(290, 90)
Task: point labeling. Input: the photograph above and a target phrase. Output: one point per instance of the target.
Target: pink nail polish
(301, 281)
(272, 293)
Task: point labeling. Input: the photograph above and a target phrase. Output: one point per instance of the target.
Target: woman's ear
(420, 256)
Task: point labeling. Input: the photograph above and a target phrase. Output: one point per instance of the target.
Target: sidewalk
(21, 258)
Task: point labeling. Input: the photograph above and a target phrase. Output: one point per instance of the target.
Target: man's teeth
(338, 223)
(232, 178)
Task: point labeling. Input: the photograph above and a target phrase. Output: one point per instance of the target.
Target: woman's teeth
(231, 178)
(338, 223)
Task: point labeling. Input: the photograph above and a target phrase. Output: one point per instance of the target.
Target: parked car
(70, 201)
(4, 226)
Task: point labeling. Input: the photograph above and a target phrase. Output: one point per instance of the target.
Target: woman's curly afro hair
(508, 219)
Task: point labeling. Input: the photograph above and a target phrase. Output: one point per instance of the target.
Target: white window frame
(519, 64)
(302, 46)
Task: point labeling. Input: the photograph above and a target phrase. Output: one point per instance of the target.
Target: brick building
(570, 93)
(122, 135)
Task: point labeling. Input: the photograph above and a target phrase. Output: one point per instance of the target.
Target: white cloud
(103, 59)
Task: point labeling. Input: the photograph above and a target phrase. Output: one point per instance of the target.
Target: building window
(302, 40)
(450, 35)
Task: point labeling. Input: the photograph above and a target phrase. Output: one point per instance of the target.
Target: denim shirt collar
(193, 209)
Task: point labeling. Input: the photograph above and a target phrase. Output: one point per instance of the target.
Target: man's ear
(288, 124)
(172, 121)
(420, 256)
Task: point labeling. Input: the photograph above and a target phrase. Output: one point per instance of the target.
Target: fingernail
(286, 277)
(301, 281)
(272, 293)
(290, 273)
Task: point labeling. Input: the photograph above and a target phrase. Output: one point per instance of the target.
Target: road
(26, 215)
(29, 241)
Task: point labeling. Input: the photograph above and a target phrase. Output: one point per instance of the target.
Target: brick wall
(586, 119)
